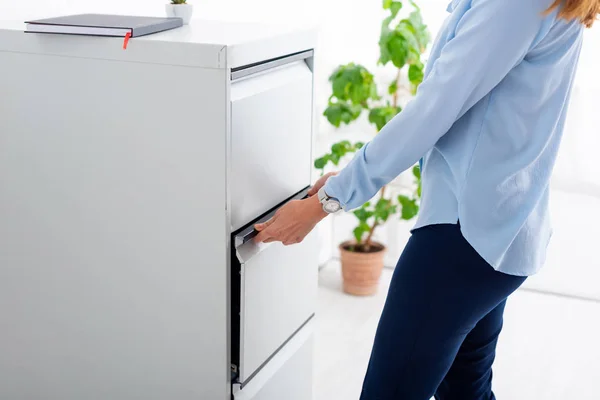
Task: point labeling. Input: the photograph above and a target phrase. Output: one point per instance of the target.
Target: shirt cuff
(333, 190)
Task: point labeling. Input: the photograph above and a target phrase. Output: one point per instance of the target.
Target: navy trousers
(438, 331)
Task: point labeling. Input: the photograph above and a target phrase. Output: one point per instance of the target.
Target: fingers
(320, 183)
(270, 235)
(262, 226)
(292, 241)
(263, 237)
(287, 226)
(274, 235)
(265, 234)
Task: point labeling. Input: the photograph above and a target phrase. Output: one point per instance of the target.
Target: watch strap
(324, 198)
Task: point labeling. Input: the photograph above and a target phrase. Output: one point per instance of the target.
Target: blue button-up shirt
(487, 122)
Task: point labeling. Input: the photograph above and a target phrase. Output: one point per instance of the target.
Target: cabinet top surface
(203, 43)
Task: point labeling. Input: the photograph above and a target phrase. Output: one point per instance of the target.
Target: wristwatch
(330, 205)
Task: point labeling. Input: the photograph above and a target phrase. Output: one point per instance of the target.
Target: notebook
(103, 25)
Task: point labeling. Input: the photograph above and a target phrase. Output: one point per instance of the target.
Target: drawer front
(271, 139)
(288, 375)
(278, 286)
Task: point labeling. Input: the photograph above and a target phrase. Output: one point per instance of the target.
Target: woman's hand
(292, 222)
(320, 183)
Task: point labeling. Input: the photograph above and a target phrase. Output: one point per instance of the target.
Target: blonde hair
(586, 11)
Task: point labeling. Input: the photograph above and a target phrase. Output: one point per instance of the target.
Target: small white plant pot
(183, 11)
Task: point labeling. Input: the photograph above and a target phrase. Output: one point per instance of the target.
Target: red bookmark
(126, 41)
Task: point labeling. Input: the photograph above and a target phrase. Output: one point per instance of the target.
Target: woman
(486, 123)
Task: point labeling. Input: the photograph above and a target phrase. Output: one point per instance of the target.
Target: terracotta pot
(361, 271)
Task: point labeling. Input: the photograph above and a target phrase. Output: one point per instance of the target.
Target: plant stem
(367, 245)
(395, 97)
(375, 224)
(367, 242)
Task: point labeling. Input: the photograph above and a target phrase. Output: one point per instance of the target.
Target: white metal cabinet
(116, 210)
(271, 123)
(288, 375)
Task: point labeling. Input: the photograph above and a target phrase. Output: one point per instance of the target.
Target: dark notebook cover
(139, 26)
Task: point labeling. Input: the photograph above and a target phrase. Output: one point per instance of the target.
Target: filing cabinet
(130, 181)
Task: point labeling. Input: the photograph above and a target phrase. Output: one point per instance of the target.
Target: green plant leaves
(421, 32)
(353, 86)
(392, 47)
(393, 6)
(370, 216)
(393, 88)
(409, 207)
(399, 49)
(404, 43)
(338, 151)
(407, 32)
(362, 229)
(362, 213)
(321, 162)
(417, 174)
(416, 171)
(383, 209)
(399, 45)
(342, 112)
(353, 83)
(379, 116)
(416, 75)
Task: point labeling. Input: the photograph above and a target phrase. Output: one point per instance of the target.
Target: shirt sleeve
(491, 38)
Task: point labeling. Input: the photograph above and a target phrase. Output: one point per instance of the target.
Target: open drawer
(288, 375)
(277, 287)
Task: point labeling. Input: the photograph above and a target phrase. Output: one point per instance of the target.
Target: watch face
(332, 206)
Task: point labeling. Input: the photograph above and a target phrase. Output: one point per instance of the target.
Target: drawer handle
(241, 72)
(249, 233)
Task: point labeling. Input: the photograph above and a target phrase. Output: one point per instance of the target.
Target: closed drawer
(288, 375)
(277, 295)
(271, 139)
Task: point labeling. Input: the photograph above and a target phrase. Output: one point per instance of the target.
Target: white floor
(549, 348)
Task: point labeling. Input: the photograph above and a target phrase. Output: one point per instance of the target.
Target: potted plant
(402, 42)
(181, 9)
